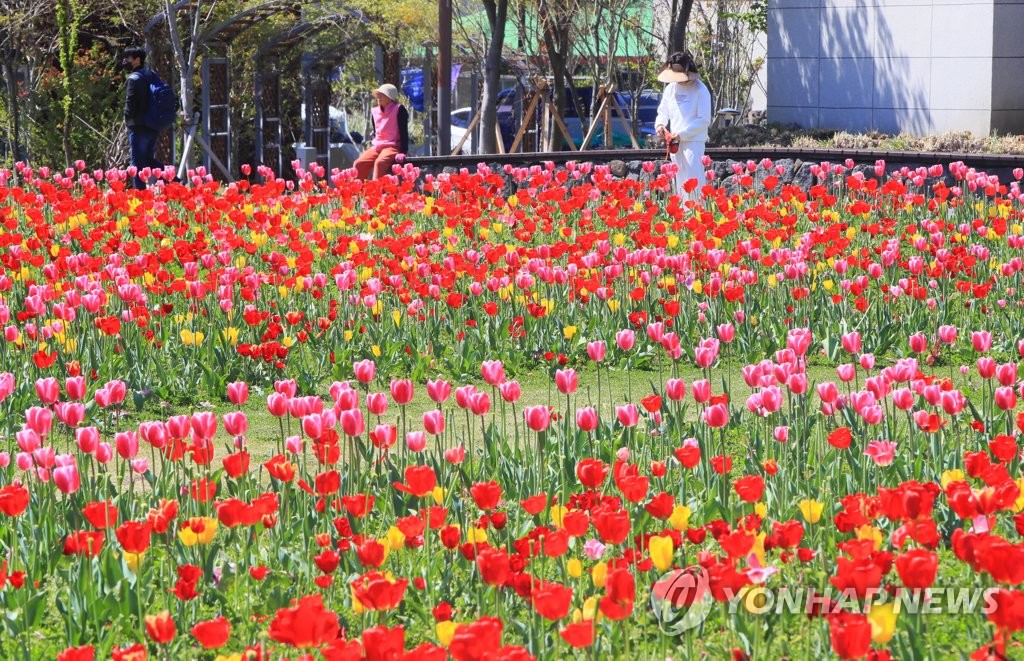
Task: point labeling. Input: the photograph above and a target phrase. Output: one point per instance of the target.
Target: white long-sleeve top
(685, 110)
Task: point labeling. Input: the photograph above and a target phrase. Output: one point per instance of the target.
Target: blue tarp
(412, 85)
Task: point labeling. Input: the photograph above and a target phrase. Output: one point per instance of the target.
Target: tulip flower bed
(584, 420)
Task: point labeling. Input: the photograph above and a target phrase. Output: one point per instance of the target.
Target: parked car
(646, 113)
(579, 123)
(463, 117)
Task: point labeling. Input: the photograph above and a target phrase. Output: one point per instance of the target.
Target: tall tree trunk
(556, 43)
(497, 15)
(11, 76)
(681, 10)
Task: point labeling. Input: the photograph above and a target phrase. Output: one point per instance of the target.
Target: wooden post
(601, 110)
(469, 132)
(530, 110)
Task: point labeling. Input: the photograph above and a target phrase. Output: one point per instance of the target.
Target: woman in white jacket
(684, 116)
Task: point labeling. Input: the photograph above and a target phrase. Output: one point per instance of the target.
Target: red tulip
(212, 634)
(160, 628)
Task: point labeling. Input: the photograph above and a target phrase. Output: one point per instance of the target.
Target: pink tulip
(701, 391)
(726, 332)
(118, 390)
(416, 441)
(981, 341)
(204, 425)
(851, 342)
(903, 398)
(87, 439)
(622, 454)
(127, 444)
(867, 361)
(376, 403)
(1007, 374)
(716, 416)
(235, 423)
(384, 436)
(918, 343)
(479, 403)
(401, 391)
(6, 385)
(566, 381)
(882, 452)
(337, 388)
(39, 420)
(537, 417)
(287, 388)
(493, 372)
(781, 434)
(455, 455)
(434, 422)
(277, 404)
(178, 426)
(1006, 398)
(293, 444)
(47, 390)
(986, 367)
(313, 426)
(947, 334)
(364, 370)
(510, 391)
(28, 440)
(75, 388)
(628, 415)
(238, 392)
(5, 459)
(797, 383)
(828, 392)
(70, 413)
(104, 453)
(23, 460)
(846, 372)
(352, 422)
(586, 419)
(67, 478)
(655, 331)
(675, 389)
(462, 395)
(597, 350)
(799, 340)
(771, 399)
(872, 414)
(439, 391)
(625, 339)
(348, 400)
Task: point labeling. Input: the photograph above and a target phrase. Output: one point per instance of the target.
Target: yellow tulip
(599, 574)
(760, 509)
(883, 622)
(133, 560)
(680, 519)
(811, 510)
(574, 567)
(661, 550)
(950, 476)
(438, 495)
(558, 514)
(445, 632)
(868, 531)
(569, 332)
(1018, 504)
(395, 538)
(477, 535)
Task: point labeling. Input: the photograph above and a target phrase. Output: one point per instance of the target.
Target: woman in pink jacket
(390, 135)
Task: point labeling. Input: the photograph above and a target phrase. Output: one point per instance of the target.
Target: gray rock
(618, 168)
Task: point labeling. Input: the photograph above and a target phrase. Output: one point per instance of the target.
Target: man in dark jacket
(141, 139)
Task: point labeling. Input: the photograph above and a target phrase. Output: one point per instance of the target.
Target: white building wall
(918, 66)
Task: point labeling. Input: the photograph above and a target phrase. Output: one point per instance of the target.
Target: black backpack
(161, 104)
